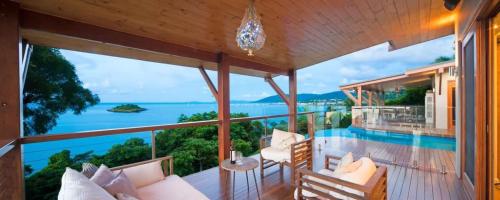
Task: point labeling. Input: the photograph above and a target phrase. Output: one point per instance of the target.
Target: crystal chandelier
(250, 35)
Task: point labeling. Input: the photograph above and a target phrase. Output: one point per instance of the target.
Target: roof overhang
(421, 76)
(194, 33)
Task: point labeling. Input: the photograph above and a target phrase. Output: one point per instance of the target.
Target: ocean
(97, 117)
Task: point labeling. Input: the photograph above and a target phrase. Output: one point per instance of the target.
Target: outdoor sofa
(153, 180)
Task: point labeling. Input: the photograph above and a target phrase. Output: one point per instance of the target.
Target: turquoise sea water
(97, 117)
(423, 141)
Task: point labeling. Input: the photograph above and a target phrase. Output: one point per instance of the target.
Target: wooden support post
(360, 97)
(12, 175)
(209, 82)
(292, 100)
(370, 98)
(277, 89)
(224, 114)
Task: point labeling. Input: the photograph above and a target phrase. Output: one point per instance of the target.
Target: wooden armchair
(301, 156)
(374, 189)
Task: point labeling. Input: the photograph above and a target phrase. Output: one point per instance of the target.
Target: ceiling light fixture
(250, 35)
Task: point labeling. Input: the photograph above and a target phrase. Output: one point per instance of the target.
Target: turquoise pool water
(423, 141)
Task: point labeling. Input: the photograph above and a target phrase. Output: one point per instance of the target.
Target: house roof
(299, 33)
(421, 76)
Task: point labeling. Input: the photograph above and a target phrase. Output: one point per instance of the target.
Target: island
(127, 108)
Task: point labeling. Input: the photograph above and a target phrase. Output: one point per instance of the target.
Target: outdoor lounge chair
(285, 148)
(364, 181)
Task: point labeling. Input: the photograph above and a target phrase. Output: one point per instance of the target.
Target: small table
(245, 164)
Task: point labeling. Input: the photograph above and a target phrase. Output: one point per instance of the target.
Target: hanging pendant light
(250, 35)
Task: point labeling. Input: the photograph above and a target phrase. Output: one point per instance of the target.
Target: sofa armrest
(167, 165)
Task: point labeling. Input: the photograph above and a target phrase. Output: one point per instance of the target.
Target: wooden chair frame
(374, 189)
(167, 165)
(301, 157)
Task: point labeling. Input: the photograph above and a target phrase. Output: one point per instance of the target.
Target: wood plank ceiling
(299, 33)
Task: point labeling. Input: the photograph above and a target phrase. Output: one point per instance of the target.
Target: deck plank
(403, 182)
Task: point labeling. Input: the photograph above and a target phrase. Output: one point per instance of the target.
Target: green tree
(348, 103)
(411, 96)
(443, 59)
(52, 87)
(345, 120)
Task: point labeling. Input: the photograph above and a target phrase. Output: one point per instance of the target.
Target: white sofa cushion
(76, 186)
(276, 154)
(145, 174)
(282, 139)
(172, 187)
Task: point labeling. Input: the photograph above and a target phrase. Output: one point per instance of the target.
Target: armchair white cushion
(281, 141)
(275, 154)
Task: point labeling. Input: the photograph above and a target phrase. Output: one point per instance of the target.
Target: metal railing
(390, 115)
(152, 129)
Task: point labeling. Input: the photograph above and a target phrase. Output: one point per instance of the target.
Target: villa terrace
(404, 182)
(201, 34)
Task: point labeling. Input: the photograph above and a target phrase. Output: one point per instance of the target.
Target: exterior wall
(441, 100)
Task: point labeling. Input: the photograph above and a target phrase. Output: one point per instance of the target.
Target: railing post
(265, 127)
(310, 125)
(153, 144)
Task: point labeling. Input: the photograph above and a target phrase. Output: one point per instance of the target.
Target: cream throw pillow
(76, 186)
(146, 174)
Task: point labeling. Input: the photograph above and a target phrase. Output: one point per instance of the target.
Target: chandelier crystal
(250, 35)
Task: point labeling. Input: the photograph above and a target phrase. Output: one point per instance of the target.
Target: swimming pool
(431, 142)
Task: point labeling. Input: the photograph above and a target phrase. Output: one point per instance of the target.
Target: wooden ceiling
(299, 33)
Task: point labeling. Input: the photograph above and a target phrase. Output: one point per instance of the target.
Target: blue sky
(125, 80)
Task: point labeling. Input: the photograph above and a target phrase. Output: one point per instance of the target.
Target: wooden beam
(12, 175)
(46, 23)
(209, 82)
(277, 89)
(292, 100)
(350, 96)
(224, 114)
(257, 66)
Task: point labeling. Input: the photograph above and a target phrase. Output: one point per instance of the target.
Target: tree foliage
(52, 87)
(410, 97)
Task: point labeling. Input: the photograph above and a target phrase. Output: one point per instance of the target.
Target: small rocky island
(127, 108)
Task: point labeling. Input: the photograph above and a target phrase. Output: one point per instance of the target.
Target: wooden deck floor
(404, 182)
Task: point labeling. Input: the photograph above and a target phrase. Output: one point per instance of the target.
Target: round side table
(245, 164)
